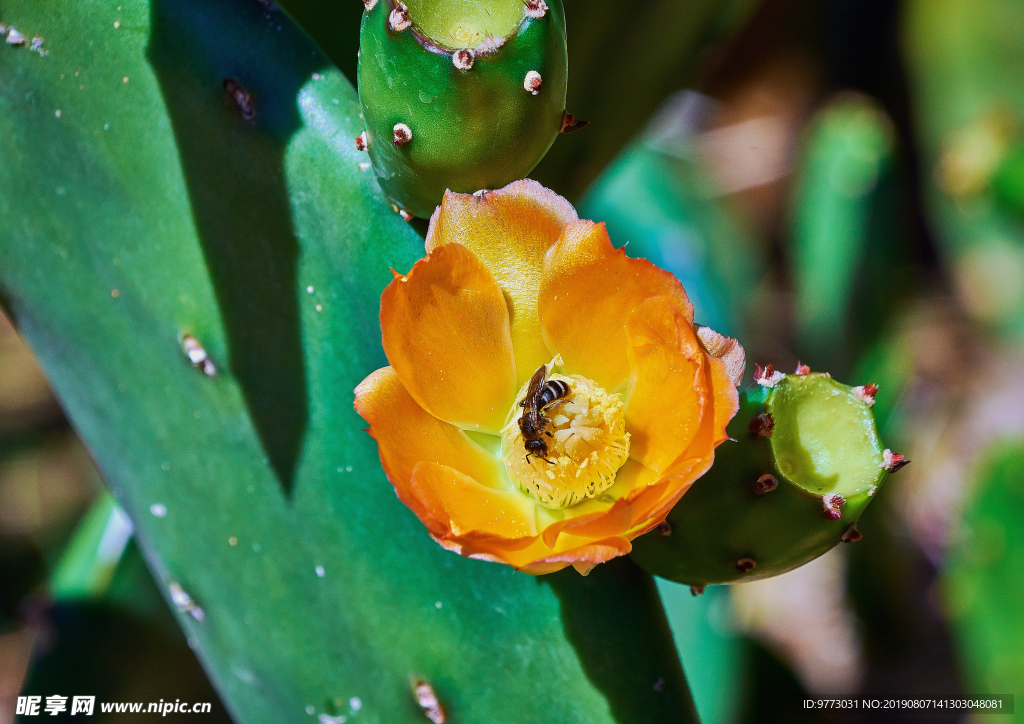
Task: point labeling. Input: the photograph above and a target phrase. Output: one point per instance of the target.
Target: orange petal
(668, 389)
(588, 292)
(466, 507)
(727, 399)
(446, 333)
(510, 231)
(590, 552)
(652, 504)
(406, 434)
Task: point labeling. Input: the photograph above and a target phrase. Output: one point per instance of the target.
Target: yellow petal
(446, 333)
(589, 290)
(510, 231)
(668, 389)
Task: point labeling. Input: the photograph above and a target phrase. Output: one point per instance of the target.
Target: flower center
(566, 443)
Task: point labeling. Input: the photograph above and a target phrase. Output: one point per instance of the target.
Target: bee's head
(537, 446)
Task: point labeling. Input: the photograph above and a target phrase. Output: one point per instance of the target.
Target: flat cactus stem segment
(770, 504)
(474, 122)
(322, 589)
(981, 582)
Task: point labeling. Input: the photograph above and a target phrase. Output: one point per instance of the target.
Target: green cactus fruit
(805, 465)
(457, 95)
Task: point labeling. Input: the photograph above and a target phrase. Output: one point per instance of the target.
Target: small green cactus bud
(805, 464)
(471, 94)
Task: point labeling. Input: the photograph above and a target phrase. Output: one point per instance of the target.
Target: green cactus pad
(981, 580)
(728, 528)
(474, 125)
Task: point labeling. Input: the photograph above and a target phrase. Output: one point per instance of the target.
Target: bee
(541, 394)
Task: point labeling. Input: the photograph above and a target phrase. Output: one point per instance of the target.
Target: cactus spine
(459, 96)
(805, 465)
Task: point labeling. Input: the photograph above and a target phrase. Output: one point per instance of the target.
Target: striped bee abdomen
(553, 391)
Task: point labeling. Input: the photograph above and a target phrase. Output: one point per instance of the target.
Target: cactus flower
(520, 308)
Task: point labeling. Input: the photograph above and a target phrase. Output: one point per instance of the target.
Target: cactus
(981, 581)
(91, 557)
(806, 464)
(197, 258)
(1008, 181)
(711, 649)
(459, 96)
(846, 156)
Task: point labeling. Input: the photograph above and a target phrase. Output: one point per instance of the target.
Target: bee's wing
(536, 384)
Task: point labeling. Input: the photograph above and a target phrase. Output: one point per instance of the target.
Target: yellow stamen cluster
(586, 442)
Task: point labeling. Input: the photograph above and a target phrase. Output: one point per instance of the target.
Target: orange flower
(512, 282)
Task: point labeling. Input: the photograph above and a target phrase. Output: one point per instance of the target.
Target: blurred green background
(836, 182)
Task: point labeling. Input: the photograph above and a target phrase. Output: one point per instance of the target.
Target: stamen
(585, 443)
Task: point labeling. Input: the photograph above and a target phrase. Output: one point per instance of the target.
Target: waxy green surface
(143, 198)
(981, 579)
(824, 441)
(471, 129)
(836, 237)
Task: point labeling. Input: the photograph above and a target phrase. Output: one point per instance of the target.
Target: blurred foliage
(983, 586)
(624, 59)
(967, 61)
(847, 151)
(657, 199)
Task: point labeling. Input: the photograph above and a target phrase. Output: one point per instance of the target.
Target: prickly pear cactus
(982, 575)
(847, 152)
(197, 258)
(460, 96)
(805, 465)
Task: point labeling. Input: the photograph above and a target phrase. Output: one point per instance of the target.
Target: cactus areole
(480, 85)
(805, 464)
